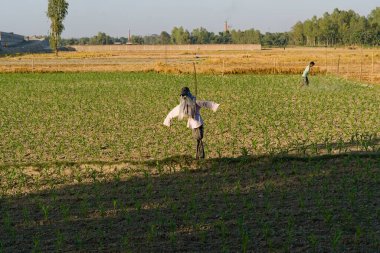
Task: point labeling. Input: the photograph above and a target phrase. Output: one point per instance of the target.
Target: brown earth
(289, 204)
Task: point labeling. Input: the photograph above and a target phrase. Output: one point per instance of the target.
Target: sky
(145, 17)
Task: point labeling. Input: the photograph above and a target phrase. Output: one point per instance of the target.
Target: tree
(327, 31)
(200, 36)
(250, 36)
(72, 41)
(298, 35)
(57, 11)
(137, 40)
(338, 28)
(223, 38)
(282, 40)
(101, 39)
(84, 41)
(374, 16)
(311, 31)
(123, 40)
(269, 39)
(374, 21)
(358, 30)
(165, 38)
(180, 36)
(153, 39)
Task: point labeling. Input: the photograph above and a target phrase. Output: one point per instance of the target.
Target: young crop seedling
(286, 170)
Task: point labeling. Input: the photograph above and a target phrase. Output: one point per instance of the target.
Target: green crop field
(87, 165)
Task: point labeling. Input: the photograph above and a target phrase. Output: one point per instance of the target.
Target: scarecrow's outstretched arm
(172, 114)
(208, 104)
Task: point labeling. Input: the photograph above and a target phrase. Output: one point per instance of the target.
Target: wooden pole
(373, 68)
(223, 68)
(338, 64)
(195, 80)
(361, 64)
(326, 60)
(275, 65)
(166, 54)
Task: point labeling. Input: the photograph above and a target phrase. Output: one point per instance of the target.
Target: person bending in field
(305, 75)
(189, 108)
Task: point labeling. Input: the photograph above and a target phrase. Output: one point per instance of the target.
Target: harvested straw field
(349, 63)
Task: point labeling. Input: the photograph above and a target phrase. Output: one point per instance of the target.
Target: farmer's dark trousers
(198, 135)
(305, 81)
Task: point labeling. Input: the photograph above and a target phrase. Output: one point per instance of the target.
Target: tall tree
(298, 35)
(200, 36)
(180, 36)
(153, 39)
(374, 16)
(101, 39)
(374, 20)
(165, 38)
(250, 36)
(136, 39)
(57, 11)
(223, 38)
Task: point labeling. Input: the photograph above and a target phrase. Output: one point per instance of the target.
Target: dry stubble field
(349, 63)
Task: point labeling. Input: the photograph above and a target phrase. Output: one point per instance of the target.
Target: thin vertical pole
(195, 80)
(166, 54)
(223, 68)
(275, 65)
(373, 68)
(338, 64)
(361, 64)
(326, 60)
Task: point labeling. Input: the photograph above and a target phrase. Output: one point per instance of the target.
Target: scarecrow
(189, 108)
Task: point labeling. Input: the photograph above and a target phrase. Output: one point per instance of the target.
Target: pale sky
(144, 17)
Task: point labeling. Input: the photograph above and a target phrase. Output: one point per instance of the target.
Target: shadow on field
(255, 204)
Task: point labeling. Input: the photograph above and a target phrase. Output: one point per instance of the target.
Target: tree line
(178, 36)
(332, 29)
(338, 28)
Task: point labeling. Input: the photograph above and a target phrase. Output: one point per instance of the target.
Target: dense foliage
(57, 11)
(338, 28)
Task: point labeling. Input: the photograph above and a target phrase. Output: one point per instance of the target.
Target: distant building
(226, 27)
(10, 39)
(129, 42)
